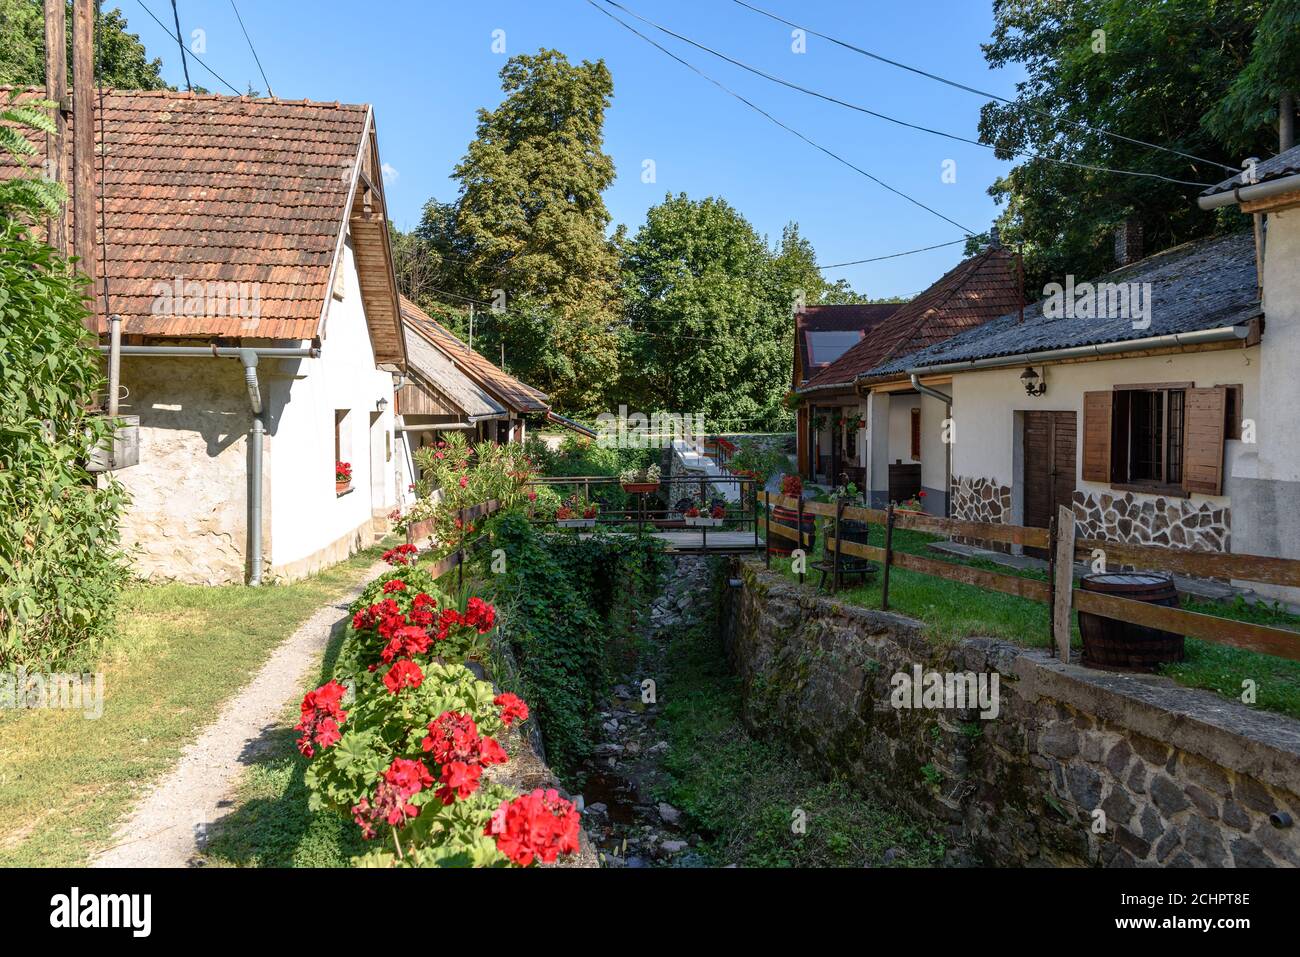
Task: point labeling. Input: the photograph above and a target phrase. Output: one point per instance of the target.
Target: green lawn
(952, 610)
(180, 651)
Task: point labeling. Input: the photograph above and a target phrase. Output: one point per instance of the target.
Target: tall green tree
(1149, 71)
(124, 64)
(709, 326)
(530, 222)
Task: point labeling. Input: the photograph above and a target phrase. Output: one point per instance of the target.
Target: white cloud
(390, 173)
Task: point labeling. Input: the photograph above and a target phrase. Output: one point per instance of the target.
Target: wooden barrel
(789, 517)
(1119, 645)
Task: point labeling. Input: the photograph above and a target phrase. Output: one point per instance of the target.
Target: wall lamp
(381, 404)
(1033, 385)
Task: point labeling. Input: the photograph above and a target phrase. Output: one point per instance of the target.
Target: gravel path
(168, 826)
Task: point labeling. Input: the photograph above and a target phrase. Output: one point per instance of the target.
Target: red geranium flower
(395, 585)
(404, 674)
(402, 780)
(512, 708)
(480, 615)
(539, 825)
(321, 717)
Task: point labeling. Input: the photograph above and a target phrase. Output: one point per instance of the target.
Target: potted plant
(574, 515)
(342, 477)
(707, 516)
(914, 504)
(640, 480)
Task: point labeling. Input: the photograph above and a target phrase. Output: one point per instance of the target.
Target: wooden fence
(417, 531)
(1058, 592)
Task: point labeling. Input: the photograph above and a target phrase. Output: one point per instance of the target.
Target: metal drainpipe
(249, 358)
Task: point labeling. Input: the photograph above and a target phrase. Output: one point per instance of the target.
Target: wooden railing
(1059, 591)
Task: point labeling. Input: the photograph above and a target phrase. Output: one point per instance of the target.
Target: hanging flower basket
(646, 487)
(640, 480)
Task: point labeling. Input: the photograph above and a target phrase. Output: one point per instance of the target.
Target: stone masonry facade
(981, 500)
(1147, 520)
(1078, 768)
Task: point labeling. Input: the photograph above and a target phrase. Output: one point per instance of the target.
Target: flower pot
(341, 487)
(575, 522)
(704, 521)
(640, 487)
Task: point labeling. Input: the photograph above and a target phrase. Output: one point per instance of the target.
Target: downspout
(947, 446)
(255, 435)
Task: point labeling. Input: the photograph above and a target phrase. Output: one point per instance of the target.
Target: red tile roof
(975, 291)
(218, 188)
(517, 395)
(848, 317)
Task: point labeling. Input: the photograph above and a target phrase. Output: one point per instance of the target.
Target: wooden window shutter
(1097, 409)
(1203, 431)
(916, 435)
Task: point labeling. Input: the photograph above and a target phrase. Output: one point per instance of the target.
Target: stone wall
(1171, 776)
(1148, 520)
(981, 500)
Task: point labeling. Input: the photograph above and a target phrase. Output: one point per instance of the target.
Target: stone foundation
(1079, 767)
(981, 500)
(1149, 520)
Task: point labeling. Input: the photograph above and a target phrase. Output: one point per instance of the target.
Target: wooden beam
(83, 137)
(1185, 561)
(56, 90)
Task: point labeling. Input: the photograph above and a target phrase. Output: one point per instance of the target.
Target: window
(916, 435)
(824, 347)
(1234, 412)
(1159, 437)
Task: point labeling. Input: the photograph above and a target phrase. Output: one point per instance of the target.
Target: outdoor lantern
(381, 405)
(1029, 379)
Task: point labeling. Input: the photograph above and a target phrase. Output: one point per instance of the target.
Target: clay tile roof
(218, 188)
(504, 387)
(973, 292)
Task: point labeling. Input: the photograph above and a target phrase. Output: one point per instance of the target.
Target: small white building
(244, 244)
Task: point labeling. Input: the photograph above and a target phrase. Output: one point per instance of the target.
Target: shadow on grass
(272, 825)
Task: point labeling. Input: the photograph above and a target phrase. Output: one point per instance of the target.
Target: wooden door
(1049, 467)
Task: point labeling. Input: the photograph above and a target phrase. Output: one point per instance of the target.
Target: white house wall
(987, 459)
(311, 525)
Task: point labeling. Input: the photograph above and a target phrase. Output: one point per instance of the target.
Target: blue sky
(428, 65)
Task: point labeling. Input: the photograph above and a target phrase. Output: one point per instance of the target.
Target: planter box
(704, 522)
(342, 487)
(575, 522)
(640, 486)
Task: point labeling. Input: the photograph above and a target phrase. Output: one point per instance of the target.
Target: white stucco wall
(312, 526)
(900, 427)
(189, 491)
(985, 403)
(934, 451)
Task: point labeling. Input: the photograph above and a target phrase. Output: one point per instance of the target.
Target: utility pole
(471, 325)
(83, 135)
(56, 90)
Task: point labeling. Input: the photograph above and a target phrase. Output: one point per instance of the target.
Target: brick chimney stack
(1128, 242)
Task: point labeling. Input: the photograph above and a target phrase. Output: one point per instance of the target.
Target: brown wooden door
(1050, 467)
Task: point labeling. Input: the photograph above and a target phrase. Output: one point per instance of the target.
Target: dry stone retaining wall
(1181, 777)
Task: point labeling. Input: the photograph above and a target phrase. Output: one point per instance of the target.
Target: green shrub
(60, 565)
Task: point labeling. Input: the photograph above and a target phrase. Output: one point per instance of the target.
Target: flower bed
(400, 739)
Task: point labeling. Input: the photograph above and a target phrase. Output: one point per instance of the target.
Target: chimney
(1128, 242)
(83, 136)
(995, 239)
(1286, 122)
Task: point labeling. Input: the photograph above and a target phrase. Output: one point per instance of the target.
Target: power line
(197, 60)
(876, 259)
(256, 58)
(884, 116)
(789, 129)
(181, 43)
(978, 92)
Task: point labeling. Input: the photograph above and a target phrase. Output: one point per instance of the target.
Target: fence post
(835, 556)
(753, 492)
(767, 530)
(889, 556)
(1063, 581)
(799, 536)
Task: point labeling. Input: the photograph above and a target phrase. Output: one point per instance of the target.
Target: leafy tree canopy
(1173, 73)
(123, 61)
